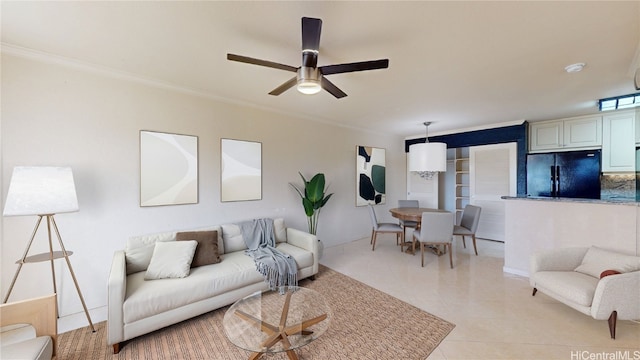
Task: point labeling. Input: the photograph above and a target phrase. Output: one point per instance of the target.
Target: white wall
(64, 116)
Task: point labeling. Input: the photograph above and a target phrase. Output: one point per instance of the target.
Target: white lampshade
(428, 157)
(41, 190)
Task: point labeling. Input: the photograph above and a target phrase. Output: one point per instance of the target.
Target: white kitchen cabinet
(583, 132)
(618, 142)
(567, 134)
(547, 135)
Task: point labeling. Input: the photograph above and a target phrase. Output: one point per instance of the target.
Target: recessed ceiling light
(574, 67)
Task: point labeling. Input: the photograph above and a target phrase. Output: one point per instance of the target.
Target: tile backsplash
(618, 187)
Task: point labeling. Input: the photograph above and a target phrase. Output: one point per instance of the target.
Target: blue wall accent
(514, 133)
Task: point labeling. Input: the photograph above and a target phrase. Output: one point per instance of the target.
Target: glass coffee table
(275, 321)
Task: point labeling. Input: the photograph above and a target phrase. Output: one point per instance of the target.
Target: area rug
(366, 324)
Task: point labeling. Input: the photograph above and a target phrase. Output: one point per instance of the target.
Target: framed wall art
(370, 175)
(241, 170)
(168, 169)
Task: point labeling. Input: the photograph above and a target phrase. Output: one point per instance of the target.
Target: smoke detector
(574, 67)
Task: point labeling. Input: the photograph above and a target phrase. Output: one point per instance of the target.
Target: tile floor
(495, 315)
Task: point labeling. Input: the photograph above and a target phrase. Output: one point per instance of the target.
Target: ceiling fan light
(309, 86)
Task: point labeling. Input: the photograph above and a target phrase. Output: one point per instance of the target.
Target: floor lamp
(43, 191)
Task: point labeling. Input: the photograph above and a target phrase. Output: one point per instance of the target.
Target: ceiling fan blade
(284, 87)
(271, 64)
(311, 33)
(357, 66)
(332, 89)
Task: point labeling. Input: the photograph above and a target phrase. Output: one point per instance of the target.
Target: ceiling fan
(310, 78)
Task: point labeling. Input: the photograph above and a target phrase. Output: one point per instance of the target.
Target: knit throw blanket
(278, 268)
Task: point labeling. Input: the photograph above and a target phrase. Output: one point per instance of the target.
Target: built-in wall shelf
(462, 180)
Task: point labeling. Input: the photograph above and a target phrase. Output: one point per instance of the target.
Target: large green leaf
(315, 188)
(308, 207)
(324, 201)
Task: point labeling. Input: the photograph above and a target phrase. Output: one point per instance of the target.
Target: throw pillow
(139, 249)
(597, 260)
(609, 272)
(138, 258)
(232, 238)
(171, 259)
(279, 230)
(207, 249)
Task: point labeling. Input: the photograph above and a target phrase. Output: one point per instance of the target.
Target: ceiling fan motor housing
(309, 74)
(309, 57)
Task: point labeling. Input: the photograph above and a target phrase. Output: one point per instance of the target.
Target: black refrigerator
(573, 174)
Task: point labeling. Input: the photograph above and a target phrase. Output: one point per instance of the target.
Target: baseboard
(515, 271)
(79, 320)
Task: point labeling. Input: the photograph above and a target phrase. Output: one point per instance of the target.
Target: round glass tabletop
(280, 320)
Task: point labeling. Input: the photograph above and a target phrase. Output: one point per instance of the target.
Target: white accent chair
(29, 329)
(468, 225)
(576, 277)
(385, 228)
(436, 229)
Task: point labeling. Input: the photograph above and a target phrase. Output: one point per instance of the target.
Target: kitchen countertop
(613, 201)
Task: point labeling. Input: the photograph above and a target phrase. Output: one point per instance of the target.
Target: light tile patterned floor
(495, 315)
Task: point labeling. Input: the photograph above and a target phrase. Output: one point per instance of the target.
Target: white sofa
(137, 306)
(573, 277)
(28, 329)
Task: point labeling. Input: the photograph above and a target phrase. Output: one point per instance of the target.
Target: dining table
(411, 213)
(415, 214)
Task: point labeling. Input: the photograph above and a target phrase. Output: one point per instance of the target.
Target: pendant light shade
(427, 159)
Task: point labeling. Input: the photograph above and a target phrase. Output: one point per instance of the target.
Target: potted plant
(313, 199)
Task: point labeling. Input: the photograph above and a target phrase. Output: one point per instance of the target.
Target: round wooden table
(414, 214)
(411, 214)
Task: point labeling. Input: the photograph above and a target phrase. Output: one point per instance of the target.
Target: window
(619, 102)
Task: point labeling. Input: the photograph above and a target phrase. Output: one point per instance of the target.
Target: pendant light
(427, 159)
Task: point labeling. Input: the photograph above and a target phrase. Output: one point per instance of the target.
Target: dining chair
(436, 229)
(468, 225)
(385, 228)
(408, 204)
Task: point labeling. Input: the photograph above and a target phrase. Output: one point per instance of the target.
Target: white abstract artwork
(168, 169)
(241, 175)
